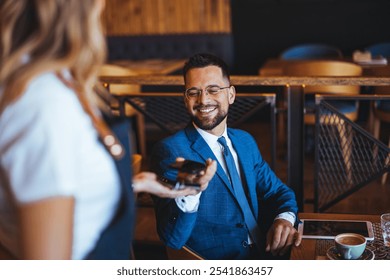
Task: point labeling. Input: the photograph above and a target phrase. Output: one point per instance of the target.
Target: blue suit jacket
(216, 230)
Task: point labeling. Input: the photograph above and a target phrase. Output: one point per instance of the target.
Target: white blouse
(48, 148)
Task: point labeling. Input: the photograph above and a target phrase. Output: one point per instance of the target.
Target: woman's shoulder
(46, 106)
(47, 88)
(46, 97)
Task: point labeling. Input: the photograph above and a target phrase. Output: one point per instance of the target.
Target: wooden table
(151, 66)
(307, 249)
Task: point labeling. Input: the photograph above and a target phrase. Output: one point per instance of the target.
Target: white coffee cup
(350, 246)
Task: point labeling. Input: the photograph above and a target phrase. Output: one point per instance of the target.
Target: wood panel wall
(147, 17)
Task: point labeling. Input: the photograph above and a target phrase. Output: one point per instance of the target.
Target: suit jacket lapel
(200, 147)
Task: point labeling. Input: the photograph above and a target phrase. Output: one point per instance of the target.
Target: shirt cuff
(289, 216)
(188, 204)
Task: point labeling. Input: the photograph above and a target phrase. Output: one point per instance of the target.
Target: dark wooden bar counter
(255, 80)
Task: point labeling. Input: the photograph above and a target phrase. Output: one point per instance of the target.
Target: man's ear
(232, 94)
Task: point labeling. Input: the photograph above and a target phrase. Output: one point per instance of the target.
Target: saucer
(334, 255)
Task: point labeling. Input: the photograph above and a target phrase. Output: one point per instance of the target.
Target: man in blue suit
(214, 223)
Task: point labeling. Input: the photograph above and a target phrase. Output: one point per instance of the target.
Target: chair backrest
(116, 70)
(325, 68)
(382, 49)
(311, 51)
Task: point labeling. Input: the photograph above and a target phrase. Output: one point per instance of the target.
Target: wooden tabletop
(253, 80)
(307, 249)
(151, 66)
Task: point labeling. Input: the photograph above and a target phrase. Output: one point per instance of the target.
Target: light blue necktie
(235, 180)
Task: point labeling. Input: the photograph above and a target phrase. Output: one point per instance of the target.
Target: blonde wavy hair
(53, 35)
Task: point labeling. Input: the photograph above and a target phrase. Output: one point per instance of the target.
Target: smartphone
(177, 185)
(188, 170)
(328, 229)
(188, 166)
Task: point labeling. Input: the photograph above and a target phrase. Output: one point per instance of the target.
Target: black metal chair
(369, 158)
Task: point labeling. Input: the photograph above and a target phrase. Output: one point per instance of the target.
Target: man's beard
(202, 124)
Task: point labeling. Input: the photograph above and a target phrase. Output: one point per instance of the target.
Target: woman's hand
(147, 182)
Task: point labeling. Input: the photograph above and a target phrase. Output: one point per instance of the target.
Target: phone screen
(333, 228)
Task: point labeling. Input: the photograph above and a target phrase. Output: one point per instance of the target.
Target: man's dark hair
(203, 60)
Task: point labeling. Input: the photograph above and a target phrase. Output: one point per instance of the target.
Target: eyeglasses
(194, 93)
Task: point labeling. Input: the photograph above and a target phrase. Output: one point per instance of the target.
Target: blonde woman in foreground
(61, 194)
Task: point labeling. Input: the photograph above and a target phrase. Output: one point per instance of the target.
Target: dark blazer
(216, 230)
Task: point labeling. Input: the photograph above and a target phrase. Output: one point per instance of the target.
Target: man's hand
(203, 177)
(147, 182)
(281, 236)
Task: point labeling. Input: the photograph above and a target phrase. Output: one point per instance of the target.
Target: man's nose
(203, 96)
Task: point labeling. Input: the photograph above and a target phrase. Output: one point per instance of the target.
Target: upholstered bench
(174, 46)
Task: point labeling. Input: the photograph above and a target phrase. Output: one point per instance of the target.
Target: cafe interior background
(260, 28)
(247, 33)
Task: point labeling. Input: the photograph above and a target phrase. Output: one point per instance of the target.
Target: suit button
(239, 225)
(173, 219)
(245, 244)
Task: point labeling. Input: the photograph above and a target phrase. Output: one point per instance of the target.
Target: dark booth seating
(174, 46)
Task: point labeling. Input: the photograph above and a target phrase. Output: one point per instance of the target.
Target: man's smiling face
(208, 111)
